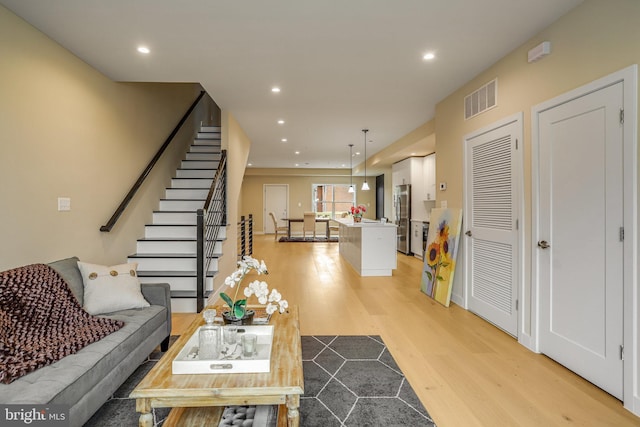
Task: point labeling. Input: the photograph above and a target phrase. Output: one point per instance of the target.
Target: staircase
(167, 253)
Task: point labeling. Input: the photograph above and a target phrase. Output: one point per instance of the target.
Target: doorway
(380, 197)
(493, 197)
(276, 200)
(581, 170)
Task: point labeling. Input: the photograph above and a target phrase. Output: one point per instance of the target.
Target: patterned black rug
(308, 239)
(349, 381)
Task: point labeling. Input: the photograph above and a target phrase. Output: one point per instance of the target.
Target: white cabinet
(416, 238)
(369, 246)
(429, 177)
(420, 172)
(410, 171)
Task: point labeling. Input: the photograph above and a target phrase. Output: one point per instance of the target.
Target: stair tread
(169, 255)
(186, 200)
(167, 239)
(188, 294)
(187, 188)
(182, 273)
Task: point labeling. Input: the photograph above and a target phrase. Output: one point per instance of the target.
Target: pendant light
(365, 185)
(351, 189)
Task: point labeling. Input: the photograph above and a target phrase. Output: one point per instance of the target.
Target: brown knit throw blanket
(41, 321)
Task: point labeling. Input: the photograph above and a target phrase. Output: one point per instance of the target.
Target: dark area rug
(349, 381)
(308, 239)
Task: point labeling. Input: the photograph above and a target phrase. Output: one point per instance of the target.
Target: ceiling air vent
(481, 100)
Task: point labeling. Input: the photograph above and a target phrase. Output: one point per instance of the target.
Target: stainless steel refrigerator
(402, 204)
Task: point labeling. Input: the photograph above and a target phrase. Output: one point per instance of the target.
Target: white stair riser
(203, 156)
(176, 231)
(174, 218)
(170, 231)
(206, 144)
(170, 264)
(195, 173)
(210, 128)
(199, 164)
(178, 283)
(181, 205)
(184, 305)
(191, 182)
(186, 193)
(171, 247)
(209, 135)
(210, 148)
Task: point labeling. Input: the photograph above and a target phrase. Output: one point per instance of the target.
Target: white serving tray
(187, 362)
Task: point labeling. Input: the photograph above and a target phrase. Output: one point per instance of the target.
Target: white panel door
(580, 252)
(276, 200)
(491, 211)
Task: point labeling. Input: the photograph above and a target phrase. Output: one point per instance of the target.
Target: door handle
(543, 244)
(468, 233)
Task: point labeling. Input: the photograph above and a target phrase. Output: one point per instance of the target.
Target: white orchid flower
(271, 309)
(275, 296)
(258, 288)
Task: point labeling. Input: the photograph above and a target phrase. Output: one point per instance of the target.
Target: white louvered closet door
(491, 225)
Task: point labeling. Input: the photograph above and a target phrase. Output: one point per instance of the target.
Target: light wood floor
(465, 371)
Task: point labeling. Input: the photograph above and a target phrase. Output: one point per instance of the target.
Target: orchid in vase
(238, 307)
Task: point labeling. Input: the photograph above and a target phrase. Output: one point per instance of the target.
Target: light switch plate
(443, 203)
(64, 204)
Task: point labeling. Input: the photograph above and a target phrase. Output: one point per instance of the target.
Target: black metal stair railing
(210, 220)
(245, 236)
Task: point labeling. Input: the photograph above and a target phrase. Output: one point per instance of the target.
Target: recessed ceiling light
(250, 164)
(357, 153)
(297, 165)
(281, 122)
(429, 56)
(143, 49)
(275, 89)
(284, 140)
(297, 153)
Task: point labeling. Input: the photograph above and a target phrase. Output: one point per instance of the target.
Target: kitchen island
(369, 246)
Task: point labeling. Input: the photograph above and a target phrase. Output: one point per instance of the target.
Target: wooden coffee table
(198, 399)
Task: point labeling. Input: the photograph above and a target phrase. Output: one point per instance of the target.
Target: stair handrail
(132, 192)
(210, 219)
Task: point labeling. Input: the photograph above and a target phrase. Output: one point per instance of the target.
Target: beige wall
(237, 144)
(68, 131)
(300, 183)
(593, 40)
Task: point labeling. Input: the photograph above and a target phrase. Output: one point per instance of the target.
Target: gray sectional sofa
(86, 379)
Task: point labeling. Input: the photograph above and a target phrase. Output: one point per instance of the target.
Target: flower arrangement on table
(238, 307)
(357, 212)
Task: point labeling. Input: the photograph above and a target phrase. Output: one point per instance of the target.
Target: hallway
(465, 371)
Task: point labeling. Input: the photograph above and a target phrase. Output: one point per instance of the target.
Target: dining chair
(309, 224)
(276, 227)
(334, 227)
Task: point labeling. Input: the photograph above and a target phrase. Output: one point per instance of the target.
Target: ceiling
(341, 65)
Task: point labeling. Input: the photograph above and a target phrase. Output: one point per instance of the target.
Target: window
(332, 200)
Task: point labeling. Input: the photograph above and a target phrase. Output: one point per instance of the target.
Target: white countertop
(348, 222)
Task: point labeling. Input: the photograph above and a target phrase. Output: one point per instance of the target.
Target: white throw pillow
(111, 288)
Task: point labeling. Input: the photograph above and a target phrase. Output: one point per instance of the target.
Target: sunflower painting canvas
(440, 254)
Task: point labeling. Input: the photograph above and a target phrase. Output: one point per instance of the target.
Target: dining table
(318, 219)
